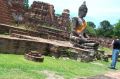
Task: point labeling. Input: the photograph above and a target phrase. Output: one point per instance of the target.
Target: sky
(98, 10)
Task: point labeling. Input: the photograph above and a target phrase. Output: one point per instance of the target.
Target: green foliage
(105, 29)
(4, 33)
(26, 3)
(105, 25)
(91, 24)
(90, 30)
(117, 29)
(17, 67)
(107, 50)
(99, 32)
(58, 15)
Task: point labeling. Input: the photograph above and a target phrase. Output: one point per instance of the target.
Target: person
(115, 53)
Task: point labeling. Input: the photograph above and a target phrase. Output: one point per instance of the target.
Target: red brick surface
(5, 15)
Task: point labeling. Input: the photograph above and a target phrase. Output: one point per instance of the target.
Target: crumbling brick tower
(11, 10)
(66, 19)
(5, 14)
(17, 8)
(40, 13)
(63, 21)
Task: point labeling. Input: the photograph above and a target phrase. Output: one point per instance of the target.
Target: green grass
(107, 50)
(16, 67)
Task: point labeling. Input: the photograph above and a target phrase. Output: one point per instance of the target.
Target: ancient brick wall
(11, 10)
(10, 45)
(5, 15)
(17, 9)
(63, 21)
(43, 33)
(40, 13)
(103, 41)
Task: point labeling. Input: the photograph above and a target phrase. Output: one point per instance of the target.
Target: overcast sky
(98, 10)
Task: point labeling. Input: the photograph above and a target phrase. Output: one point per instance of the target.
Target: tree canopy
(105, 29)
(91, 24)
(117, 29)
(90, 29)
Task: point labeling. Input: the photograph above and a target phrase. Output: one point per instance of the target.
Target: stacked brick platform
(5, 15)
(43, 33)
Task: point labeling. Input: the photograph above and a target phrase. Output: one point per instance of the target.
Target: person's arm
(112, 44)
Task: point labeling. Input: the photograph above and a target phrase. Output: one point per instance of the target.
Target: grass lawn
(107, 50)
(16, 67)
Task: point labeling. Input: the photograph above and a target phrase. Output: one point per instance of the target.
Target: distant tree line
(104, 30)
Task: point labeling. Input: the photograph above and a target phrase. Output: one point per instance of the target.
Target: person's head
(82, 10)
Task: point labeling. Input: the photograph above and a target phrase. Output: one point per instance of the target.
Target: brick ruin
(42, 18)
(42, 13)
(39, 13)
(11, 11)
(17, 9)
(39, 16)
(5, 14)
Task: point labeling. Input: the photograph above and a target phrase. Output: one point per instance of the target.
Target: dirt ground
(109, 75)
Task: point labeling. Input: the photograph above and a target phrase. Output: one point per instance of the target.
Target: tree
(90, 30)
(105, 29)
(91, 24)
(105, 25)
(99, 32)
(26, 3)
(117, 29)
